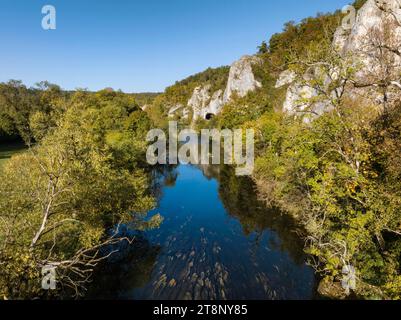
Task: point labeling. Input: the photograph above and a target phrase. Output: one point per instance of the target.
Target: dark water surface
(216, 242)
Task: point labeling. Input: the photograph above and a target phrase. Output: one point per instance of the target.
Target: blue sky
(137, 45)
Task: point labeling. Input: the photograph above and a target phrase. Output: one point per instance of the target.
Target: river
(216, 242)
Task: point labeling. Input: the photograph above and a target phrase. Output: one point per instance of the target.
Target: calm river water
(216, 242)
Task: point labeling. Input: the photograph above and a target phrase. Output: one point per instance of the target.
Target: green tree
(263, 48)
(63, 201)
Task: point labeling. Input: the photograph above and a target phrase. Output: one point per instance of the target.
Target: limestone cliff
(374, 15)
(206, 103)
(241, 79)
(377, 29)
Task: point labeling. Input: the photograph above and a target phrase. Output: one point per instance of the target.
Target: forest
(84, 175)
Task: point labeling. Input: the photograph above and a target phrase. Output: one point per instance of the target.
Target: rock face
(373, 15)
(185, 114)
(372, 27)
(378, 23)
(286, 77)
(204, 104)
(177, 110)
(293, 103)
(241, 80)
(199, 101)
(295, 95)
(296, 92)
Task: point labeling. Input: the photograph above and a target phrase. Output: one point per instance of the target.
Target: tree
(263, 48)
(23, 110)
(63, 201)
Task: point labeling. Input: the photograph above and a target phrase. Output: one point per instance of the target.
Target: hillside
(204, 94)
(324, 103)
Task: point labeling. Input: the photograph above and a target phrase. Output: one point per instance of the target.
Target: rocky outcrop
(173, 111)
(202, 103)
(185, 113)
(241, 79)
(377, 25)
(378, 22)
(374, 15)
(299, 94)
(287, 77)
(294, 102)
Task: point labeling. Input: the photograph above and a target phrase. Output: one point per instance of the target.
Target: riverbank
(8, 149)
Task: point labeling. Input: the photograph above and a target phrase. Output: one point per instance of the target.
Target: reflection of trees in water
(210, 171)
(162, 176)
(189, 271)
(132, 265)
(130, 268)
(239, 197)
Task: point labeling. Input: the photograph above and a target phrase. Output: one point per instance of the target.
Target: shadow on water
(130, 268)
(217, 242)
(239, 196)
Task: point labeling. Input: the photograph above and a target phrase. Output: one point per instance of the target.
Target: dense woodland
(84, 174)
(63, 200)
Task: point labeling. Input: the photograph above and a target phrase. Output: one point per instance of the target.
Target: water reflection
(128, 269)
(217, 242)
(239, 197)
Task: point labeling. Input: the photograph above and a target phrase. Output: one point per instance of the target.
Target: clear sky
(137, 45)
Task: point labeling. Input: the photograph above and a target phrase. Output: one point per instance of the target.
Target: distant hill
(145, 98)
